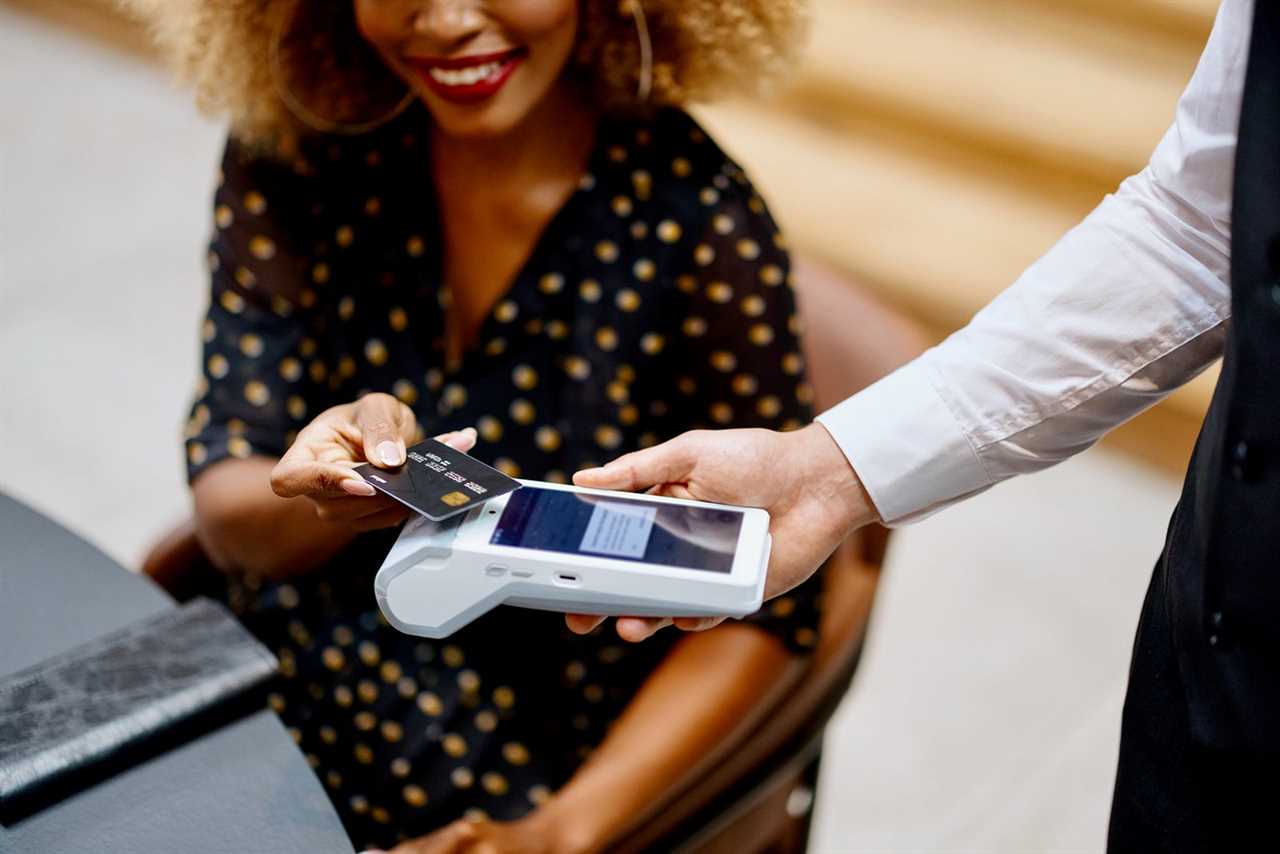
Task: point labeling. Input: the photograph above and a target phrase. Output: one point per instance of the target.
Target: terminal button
(495, 570)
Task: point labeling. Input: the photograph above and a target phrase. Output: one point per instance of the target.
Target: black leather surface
(97, 701)
(244, 787)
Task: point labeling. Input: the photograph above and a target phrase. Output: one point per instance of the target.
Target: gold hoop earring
(645, 86)
(309, 117)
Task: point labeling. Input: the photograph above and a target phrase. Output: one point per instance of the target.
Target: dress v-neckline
(521, 290)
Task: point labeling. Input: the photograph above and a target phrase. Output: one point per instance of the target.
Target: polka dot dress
(656, 300)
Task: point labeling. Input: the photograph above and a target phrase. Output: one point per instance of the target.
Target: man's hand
(813, 496)
(375, 429)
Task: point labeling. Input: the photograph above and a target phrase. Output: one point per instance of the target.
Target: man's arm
(1129, 305)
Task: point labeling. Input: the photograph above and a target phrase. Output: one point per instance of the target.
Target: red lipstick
(467, 79)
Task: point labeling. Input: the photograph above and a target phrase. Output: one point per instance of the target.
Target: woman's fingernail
(389, 453)
(352, 486)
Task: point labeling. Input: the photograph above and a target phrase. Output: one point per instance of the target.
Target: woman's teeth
(465, 76)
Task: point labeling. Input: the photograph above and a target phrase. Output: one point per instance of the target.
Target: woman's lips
(467, 79)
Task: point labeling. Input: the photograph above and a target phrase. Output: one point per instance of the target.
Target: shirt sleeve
(1129, 305)
(262, 377)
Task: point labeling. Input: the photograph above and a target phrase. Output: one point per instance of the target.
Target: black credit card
(439, 481)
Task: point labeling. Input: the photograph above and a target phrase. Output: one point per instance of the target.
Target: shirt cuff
(904, 443)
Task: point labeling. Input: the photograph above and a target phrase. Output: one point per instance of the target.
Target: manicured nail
(354, 486)
(389, 453)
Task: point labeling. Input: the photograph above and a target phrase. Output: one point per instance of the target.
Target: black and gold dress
(656, 300)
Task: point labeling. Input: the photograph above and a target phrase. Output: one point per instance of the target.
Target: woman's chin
(479, 122)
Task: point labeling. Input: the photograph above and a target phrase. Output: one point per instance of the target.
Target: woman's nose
(449, 21)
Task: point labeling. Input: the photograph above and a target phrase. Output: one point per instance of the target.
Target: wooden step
(1027, 81)
(1189, 19)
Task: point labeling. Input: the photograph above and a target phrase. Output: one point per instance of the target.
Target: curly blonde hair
(242, 56)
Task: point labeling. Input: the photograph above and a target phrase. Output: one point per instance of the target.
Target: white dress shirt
(1129, 305)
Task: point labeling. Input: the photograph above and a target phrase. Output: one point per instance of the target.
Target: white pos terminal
(563, 548)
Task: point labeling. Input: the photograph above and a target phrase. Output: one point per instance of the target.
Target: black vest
(1222, 557)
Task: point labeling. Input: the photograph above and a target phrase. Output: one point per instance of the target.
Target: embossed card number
(439, 481)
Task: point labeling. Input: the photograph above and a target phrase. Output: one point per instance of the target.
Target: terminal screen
(623, 528)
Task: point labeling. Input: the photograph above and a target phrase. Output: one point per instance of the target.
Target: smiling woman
(436, 214)
(701, 49)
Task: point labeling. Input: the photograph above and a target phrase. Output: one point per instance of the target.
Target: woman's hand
(319, 466)
(468, 836)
